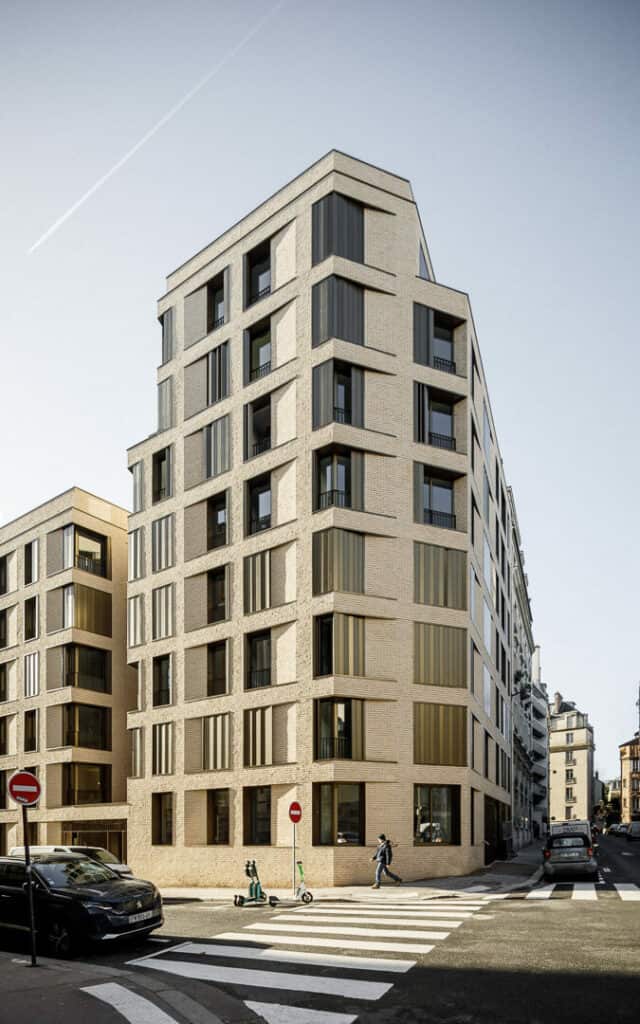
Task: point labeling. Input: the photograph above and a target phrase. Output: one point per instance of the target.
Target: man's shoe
(398, 881)
(375, 886)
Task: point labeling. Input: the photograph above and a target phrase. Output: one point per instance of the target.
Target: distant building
(599, 791)
(571, 762)
(630, 779)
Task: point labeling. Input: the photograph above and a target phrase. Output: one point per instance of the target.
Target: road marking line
(354, 963)
(312, 941)
(417, 915)
(340, 919)
(345, 987)
(543, 893)
(608, 870)
(384, 933)
(160, 952)
(584, 891)
(134, 1008)
(274, 1013)
(627, 890)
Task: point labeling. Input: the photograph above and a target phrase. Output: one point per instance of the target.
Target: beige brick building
(630, 779)
(320, 550)
(63, 670)
(571, 750)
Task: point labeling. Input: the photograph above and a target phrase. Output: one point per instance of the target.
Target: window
(338, 561)
(338, 479)
(4, 682)
(439, 734)
(31, 562)
(136, 754)
(257, 582)
(436, 815)
(338, 814)
(257, 427)
(440, 576)
(31, 675)
(86, 784)
(162, 543)
(162, 680)
(257, 355)
(162, 753)
(339, 645)
(258, 649)
(4, 575)
(440, 655)
(433, 338)
(161, 486)
(165, 404)
(87, 609)
(337, 311)
(433, 417)
(218, 817)
(167, 321)
(569, 738)
(218, 373)
(338, 394)
(206, 309)
(257, 273)
(136, 554)
(217, 521)
(216, 306)
(88, 668)
(339, 729)
(217, 668)
(217, 448)
(4, 736)
(162, 612)
(162, 819)
(137, 483)
(135, 620)
(257, 815)
(259, 504)
(90, 551)
(337, 228)
(258, 737)
(486, 432)
(87, 726)
(486, 497)
(31, 730)
(217, 610)
(31, 618)
(4, 636)
(434, 498)
(486, 691)
(487, 625)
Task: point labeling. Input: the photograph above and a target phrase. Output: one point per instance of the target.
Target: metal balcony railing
(259, 523)
(571, 800)
(334, 747)
(257, 677)
(260, 371)
(218, 322)
(442, 441)
(447, 365)
(263, 445)
(260, 294)
(570, 760)
(90, 564)
(336, 499)
(341, 414)
(444, 519)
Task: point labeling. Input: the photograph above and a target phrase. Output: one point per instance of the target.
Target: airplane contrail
(156, 127)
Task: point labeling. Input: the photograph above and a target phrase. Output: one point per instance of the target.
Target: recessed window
(31, 618)
(436, 815)
(217, 594)
(90, 551)
(31, 562)
(31, 730)
(257, 815)
(259, 504)
(161, 475)
(337, 228)
(258, 653)
(338, 814)
(339, 730)
(86, 784)
(217, 521)
(88, 668)
(217, 669)
(258, 273)
(218, 817)
(258, 351)
(162, 680)
(257, 427)
(162, 819)
(87, 726)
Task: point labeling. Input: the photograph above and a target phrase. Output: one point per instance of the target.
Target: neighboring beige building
(63, 670)
(540, 725)
(630, 779)
(571, 751)
(320, 552)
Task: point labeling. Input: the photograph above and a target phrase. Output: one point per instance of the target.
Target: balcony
(446, 365)
(257, 372)
(334, 748)
(258, 677)
(447, 520)
(570, 760)
(442, 441)
(341, 414)
(334, 499)
(571, 800)
(88, 563)
(262, 445)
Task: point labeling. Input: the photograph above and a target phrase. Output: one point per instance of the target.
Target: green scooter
(257, 896)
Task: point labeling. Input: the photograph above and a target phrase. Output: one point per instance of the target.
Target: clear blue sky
(517, 124)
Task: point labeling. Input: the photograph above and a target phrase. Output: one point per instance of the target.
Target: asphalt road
(572, 956)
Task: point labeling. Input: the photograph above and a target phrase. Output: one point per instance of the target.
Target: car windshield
(565, 841)
(96, 853)
(75, 873)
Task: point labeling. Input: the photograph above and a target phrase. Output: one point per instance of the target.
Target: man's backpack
(389, 853)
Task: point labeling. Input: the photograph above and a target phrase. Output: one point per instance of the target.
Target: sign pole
(27, 858)
(294, 859)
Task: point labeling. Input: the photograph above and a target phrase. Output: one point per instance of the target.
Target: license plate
(570, 856)
(144, 916)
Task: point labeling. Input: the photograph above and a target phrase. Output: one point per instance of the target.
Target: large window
(259, 504)
(257, 280)
(217, 594)
(258, 652)
(86, 784)
(217, 521)
(87, 667)
(217, 668)
(337, 311)
(257, 427)
(338, 394)
(339, 729)
(218, 817)
(338, 814)
(162, 819)
(338, 479)
(257, 815)
(339, 645)
(436, 815)
(162, 680)
(433, 417)
(87, 726)
(434, 338)
(257, 351)
(440, 734)
(434, 498)
(31, 730)
(337, 228)
(161, 485)
(31, 618)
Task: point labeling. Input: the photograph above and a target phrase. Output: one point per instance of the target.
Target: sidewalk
(521, 872)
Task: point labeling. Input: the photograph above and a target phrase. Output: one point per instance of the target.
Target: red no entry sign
(24, 788)
(295, 812)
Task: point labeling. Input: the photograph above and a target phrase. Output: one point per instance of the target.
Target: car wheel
(60, 939)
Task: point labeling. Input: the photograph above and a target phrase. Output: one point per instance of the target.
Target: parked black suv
(76, 901)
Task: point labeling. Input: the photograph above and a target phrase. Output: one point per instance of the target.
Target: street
(567, 952)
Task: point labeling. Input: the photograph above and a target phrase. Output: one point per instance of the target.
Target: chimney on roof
(557, 703)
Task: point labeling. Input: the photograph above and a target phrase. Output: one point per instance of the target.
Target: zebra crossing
(319, 955)
(628, 892)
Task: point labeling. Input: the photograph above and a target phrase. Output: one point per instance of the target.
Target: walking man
(383, 857)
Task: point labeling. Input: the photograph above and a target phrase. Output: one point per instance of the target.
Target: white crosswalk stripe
(314, 942)
(582, 891)
(627, 890)
(369, 918)
(384, 933)
(353, 963)
(274, 1013)
(413, 915)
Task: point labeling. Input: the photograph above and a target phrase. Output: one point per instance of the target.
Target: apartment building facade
(540, 730)
(319, 596)
(630, 779)
(63, 670)
(571, 752)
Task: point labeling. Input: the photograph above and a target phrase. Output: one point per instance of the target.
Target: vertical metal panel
(217, 451)
(420, 406)
(338, 561)
(257, 582)
(357, 731)
(165, 404)
(322, 394)
(418, 492)
(348, 643)
(422, 334)
(357, 480)
(357, 396)
(54, 552)
(226, 284)
(195, 316)
(440, 734)
(195, 387)
(440, 655)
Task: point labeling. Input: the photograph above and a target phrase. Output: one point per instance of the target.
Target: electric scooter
(257, 896)
(302, 893)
